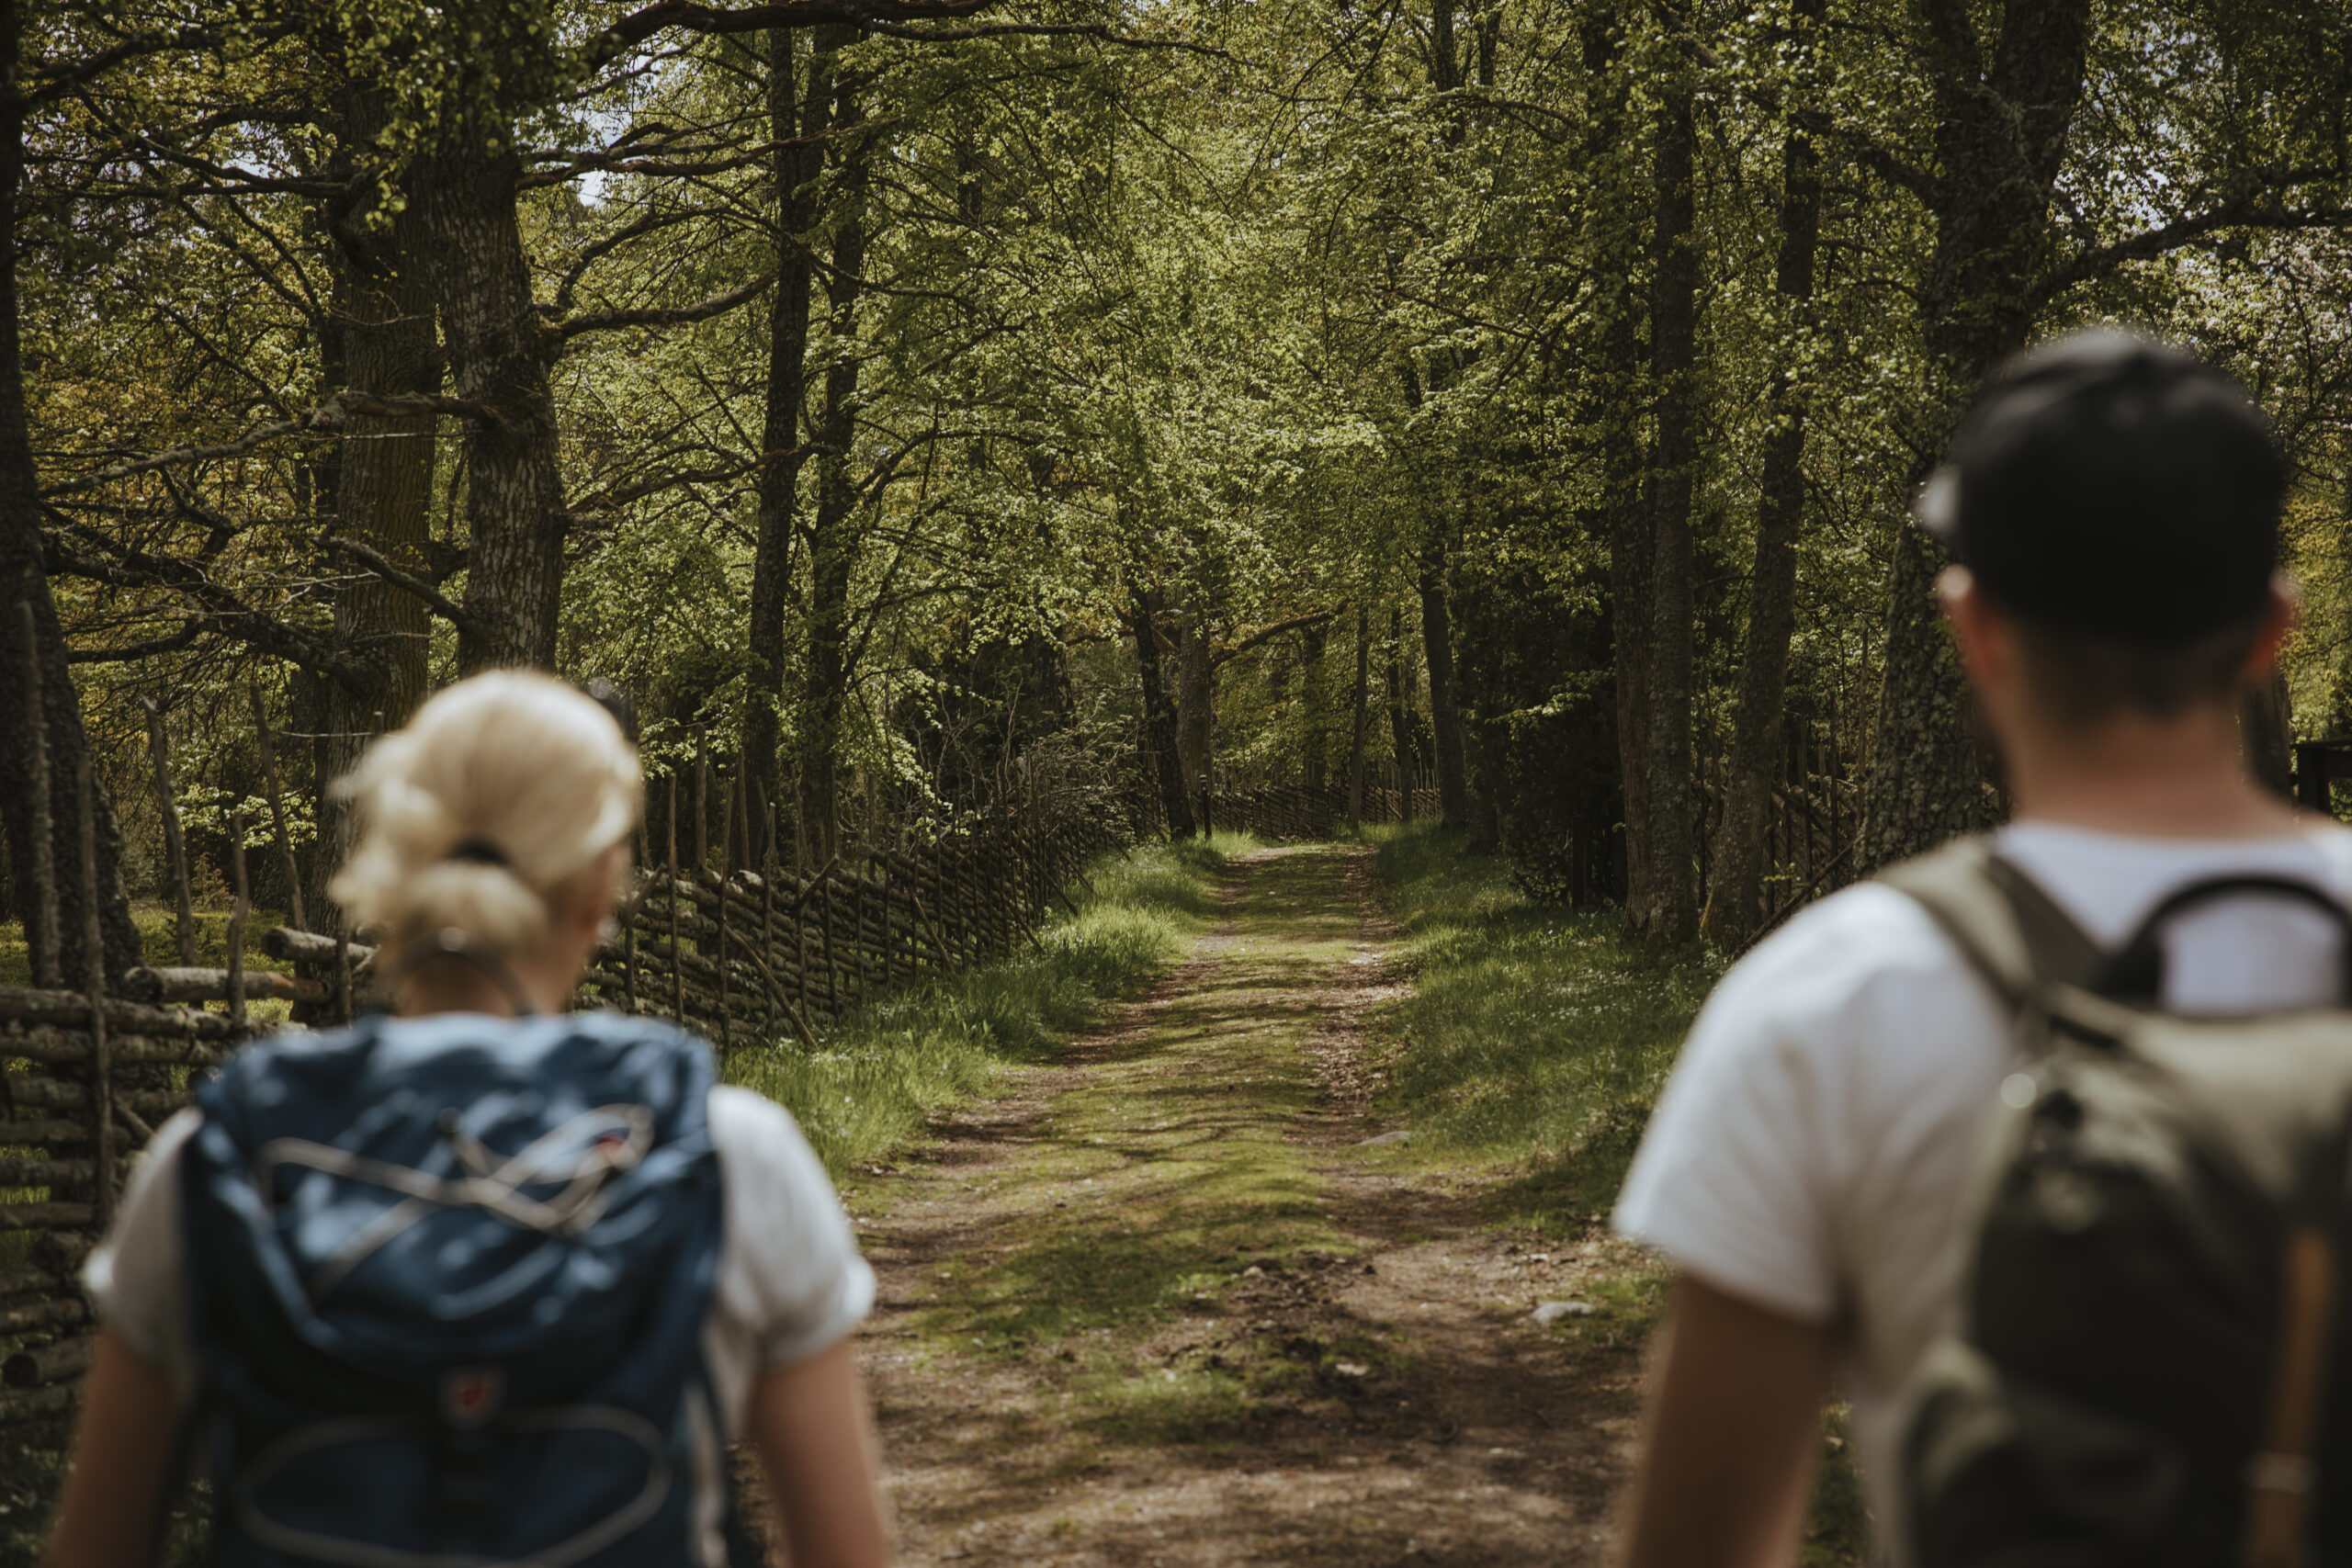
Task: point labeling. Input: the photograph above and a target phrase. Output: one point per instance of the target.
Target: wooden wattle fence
(751, 959)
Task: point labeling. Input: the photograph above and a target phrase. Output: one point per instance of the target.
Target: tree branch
(323, 421)
(1267, 634)
(1047, 29)
(642, 24)
(128, 651)
(717, 305)
(221, 610)
(438, 602)
(2258, 208)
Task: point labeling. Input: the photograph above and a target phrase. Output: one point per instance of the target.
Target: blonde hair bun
(481, 813)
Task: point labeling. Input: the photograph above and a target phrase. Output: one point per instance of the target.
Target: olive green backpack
(2145, 1372)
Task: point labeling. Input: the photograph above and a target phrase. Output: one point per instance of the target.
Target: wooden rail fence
(752, 959)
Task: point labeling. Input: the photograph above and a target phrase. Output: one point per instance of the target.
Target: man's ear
(1977, 627)
(2278, 620)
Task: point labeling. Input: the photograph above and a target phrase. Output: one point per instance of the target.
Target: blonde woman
(483, 1280)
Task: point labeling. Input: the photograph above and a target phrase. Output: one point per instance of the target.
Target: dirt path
(1164, 1304)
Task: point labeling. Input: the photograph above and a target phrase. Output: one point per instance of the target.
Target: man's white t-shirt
(1808, 1152)
(791, 1282)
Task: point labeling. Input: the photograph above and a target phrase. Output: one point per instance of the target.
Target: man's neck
(2175, 779)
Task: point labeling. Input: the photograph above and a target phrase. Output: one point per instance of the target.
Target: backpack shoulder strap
(2008, 926)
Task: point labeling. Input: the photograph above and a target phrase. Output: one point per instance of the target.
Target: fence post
(94, 986)
(677, 949)
(175, 843)
(725, 878)
(38, 881)
(238, 910)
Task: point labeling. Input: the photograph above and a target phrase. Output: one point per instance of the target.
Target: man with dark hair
(2114, 507)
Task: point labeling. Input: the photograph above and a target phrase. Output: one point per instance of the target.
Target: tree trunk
(1315, 703)
(1445, 717)
(2266, 728)
(1362, 717)
(24, 584)
(1673, 912)
(1734, 902)
(2000, 138)
(788, 384)
(1400, 715)
(383, 483)
(1623, 516)
(500, 354)
(832, 541)
(1158, 716)
(1195, 700)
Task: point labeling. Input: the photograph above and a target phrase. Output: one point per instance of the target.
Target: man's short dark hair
(2109, 484)
(2081, 678)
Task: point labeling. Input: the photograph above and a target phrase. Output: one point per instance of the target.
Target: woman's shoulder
(746, 1121)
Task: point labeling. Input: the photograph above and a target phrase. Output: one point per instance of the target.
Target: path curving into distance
(1163, 1305)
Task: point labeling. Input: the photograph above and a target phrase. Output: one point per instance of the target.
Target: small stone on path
(1387, 1140)
(1552, 1312)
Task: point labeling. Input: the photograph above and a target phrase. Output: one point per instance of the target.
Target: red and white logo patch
(472, 1396)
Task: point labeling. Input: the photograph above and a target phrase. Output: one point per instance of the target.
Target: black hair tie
(481, 851)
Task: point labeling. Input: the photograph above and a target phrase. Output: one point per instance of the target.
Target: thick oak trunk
(795, 169)
(1736, 896)
(384, 307)
(23, 585)
(1672, 912)
(499, 354)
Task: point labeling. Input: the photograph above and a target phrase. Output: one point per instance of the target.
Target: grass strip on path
(1537, 1038)
(876, 1077)
(1534, 1037)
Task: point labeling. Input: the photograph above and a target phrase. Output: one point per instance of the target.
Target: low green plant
(873, 1080)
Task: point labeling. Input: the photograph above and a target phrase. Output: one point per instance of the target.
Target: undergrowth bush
(884, 1069)
(1533, 1034)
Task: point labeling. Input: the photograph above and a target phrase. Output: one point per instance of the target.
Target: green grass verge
(1536, 1039)
(159, 941)
(874, 1079)
(1533, 1036)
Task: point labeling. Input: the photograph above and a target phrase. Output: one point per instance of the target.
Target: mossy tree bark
(500, 356)
(24, 584)
(384, 311)
(782, 451)
(1671, 913)
(1445, 712)
(1159, 715)
(834, 541)
(1735, 898)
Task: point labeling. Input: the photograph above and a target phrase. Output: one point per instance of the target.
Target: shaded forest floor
(1166, 1302)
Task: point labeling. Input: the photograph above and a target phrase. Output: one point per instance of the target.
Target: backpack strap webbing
(2008, 926)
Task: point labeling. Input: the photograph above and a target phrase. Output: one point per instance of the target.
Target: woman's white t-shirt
(790, 1282)
(1808, 1152)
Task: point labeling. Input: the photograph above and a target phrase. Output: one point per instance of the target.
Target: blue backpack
(448, 1279)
